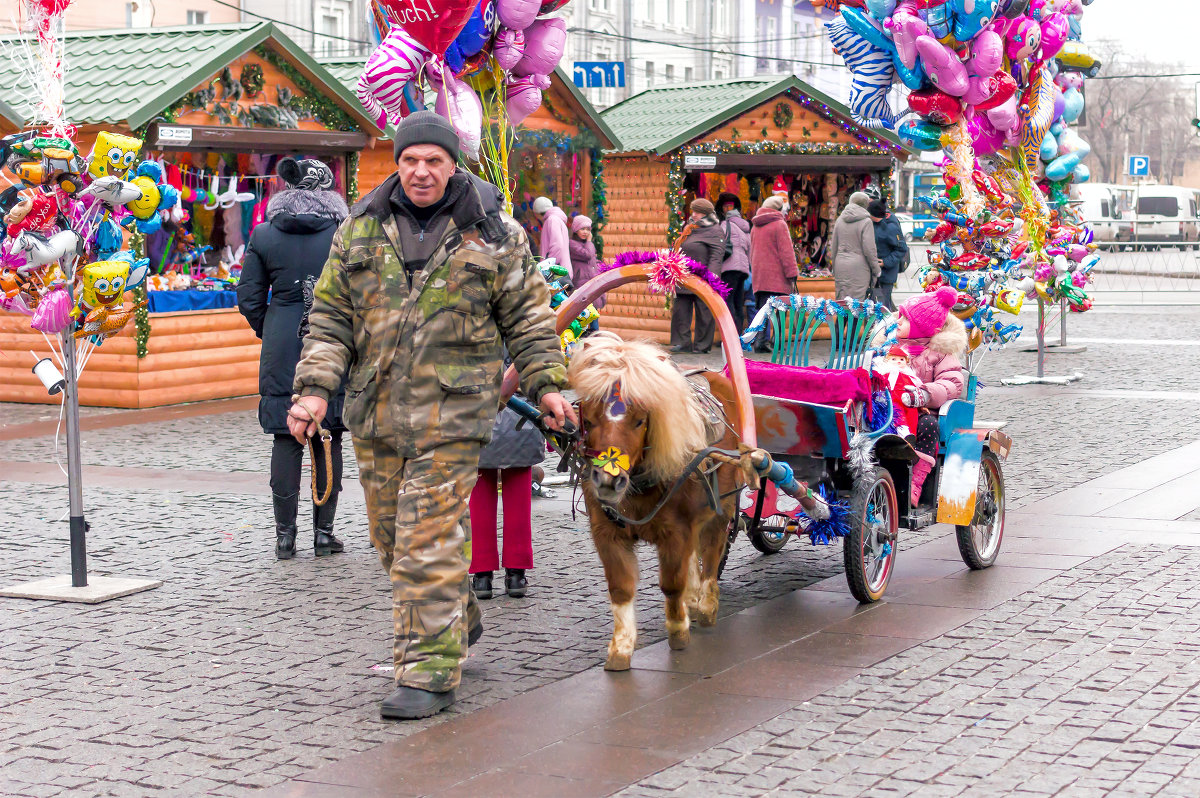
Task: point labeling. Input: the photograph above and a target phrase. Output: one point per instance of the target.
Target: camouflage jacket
(425, 359)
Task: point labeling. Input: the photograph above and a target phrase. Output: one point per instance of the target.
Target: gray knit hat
(425, 127)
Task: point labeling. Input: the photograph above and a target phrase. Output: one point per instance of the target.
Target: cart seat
(807, 383)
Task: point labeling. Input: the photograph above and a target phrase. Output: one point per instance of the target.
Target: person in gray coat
(703, 241)
(854, 259)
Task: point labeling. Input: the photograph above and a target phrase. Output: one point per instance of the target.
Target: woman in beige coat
(852, 253)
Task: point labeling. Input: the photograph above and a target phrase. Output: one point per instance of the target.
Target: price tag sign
(699, 161)
(174, 135)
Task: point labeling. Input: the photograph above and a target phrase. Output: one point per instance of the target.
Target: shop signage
(174, 135)
(699, 161)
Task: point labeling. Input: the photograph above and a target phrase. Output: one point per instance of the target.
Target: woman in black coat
(284, 257)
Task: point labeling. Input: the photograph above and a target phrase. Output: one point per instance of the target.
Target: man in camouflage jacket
(422, 289)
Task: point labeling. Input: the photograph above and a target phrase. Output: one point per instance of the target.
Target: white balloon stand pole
(76, 586)
(1062, 347)
(1040, 378)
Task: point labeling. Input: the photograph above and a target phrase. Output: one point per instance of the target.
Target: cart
(815, 423)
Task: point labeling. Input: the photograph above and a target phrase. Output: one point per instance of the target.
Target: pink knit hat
(580, 222)
(927, 313)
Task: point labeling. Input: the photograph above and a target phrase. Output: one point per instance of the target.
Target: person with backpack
(735, 266)
(892, 250)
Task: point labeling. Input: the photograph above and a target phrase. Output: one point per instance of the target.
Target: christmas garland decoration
(141, 321)
(676, 192)
(352, 177)
(324, 110)
(667, 269)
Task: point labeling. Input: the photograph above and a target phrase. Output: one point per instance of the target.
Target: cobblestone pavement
(1083, 686)
(242, 672)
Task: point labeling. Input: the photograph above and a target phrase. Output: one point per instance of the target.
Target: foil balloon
(380, 88)
(921, 135)
(943, 66)
(1037, 118)
(1055, 31)
(987, 54)
(517, 14)
(459, 103)
(936, 106)
(545, 41)
(905, 26)
(53, 312)
(508, 48)
(873, 72)
(971, 17)
(113, 154)
(524, 97)
(473, 37)
(434, 27)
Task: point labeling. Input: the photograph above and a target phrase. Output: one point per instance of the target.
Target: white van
(1166, 213)
(1107, 208)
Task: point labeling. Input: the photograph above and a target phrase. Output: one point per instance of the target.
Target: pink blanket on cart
(807, 383)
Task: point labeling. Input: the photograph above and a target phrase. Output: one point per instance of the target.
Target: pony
(643, 425)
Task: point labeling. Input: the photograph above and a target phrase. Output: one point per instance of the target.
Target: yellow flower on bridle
(612, 461)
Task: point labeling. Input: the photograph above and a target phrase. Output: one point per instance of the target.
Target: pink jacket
(772, 257)
(556, 238)
(935, 361)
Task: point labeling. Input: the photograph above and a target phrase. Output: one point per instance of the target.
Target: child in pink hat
(934, 338)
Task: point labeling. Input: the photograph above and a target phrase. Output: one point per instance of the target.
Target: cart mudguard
(999, 443)
(959, 480)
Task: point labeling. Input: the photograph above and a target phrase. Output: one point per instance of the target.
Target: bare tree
(1140, 115)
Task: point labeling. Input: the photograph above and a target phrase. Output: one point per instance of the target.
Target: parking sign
(1139, 165)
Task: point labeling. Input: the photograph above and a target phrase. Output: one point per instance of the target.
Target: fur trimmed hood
(299, 208)
(950, 340)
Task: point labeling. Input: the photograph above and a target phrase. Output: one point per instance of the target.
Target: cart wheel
(869, 550)
(768, 538)
(738, 524)
(979, 543)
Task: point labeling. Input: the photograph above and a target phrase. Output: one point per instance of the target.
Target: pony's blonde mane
(650, 382)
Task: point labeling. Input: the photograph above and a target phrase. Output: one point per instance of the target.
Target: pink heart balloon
(545, 41)
(523, 99)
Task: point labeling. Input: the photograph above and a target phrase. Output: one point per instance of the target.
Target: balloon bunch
(442, 42)
(64, 218)
(996, 85)
(569, 337)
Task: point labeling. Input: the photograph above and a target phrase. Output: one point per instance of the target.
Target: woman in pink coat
(773, 268)
(933, 338)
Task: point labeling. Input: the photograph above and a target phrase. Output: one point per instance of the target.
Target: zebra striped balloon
(397, 60)
(874, 74)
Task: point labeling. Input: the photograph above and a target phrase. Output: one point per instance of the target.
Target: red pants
(517, 484)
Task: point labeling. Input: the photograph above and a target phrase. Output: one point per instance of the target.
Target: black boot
(285, 525)
(515, 583)
(481, 583)
(409, 703)
(323, 540)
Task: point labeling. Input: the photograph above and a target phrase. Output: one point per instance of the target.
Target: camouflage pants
(417, 508)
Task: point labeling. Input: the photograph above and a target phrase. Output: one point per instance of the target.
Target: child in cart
(933, 338)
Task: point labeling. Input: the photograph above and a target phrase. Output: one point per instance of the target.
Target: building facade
(663, 42)
(325, 28)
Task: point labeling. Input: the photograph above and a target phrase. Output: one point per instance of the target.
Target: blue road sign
(1139, 165)
(599, 74)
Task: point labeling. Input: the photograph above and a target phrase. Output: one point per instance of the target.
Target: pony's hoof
(679, 640)
(706, 618)
(617, 662)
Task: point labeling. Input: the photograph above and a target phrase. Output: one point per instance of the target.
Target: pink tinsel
(668, 269)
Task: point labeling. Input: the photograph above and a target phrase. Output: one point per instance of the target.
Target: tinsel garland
(599, 201)
(676, 192)
(352, 178)
(141, 316)
(668, 266)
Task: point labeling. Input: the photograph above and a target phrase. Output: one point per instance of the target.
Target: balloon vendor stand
(773, 136)
(1043, 348)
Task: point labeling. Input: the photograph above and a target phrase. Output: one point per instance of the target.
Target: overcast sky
(1164, 30)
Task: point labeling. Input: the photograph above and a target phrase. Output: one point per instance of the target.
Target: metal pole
(1062, 322)
(1041, 338)
(74, 466)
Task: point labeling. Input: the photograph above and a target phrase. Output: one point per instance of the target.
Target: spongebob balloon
(103, 285)
(156, 196)
(113, 154)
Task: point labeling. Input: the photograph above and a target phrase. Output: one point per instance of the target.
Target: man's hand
(559, 410)
(304, 415)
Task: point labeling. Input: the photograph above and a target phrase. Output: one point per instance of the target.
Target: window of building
(720, 16)
(688, 14)
(670, 68)
(649, 73)
(650, 10)
(600, 5)
(688, 72)
(129, 15)
(671, 12)
(719, 74)
(195, 17)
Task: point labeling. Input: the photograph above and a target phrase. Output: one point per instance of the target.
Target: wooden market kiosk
(747, 136)
(218, 101)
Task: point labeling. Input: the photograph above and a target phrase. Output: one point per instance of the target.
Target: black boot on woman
(285, 525)
(515, 583)
(481, 583)
(323, 540)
